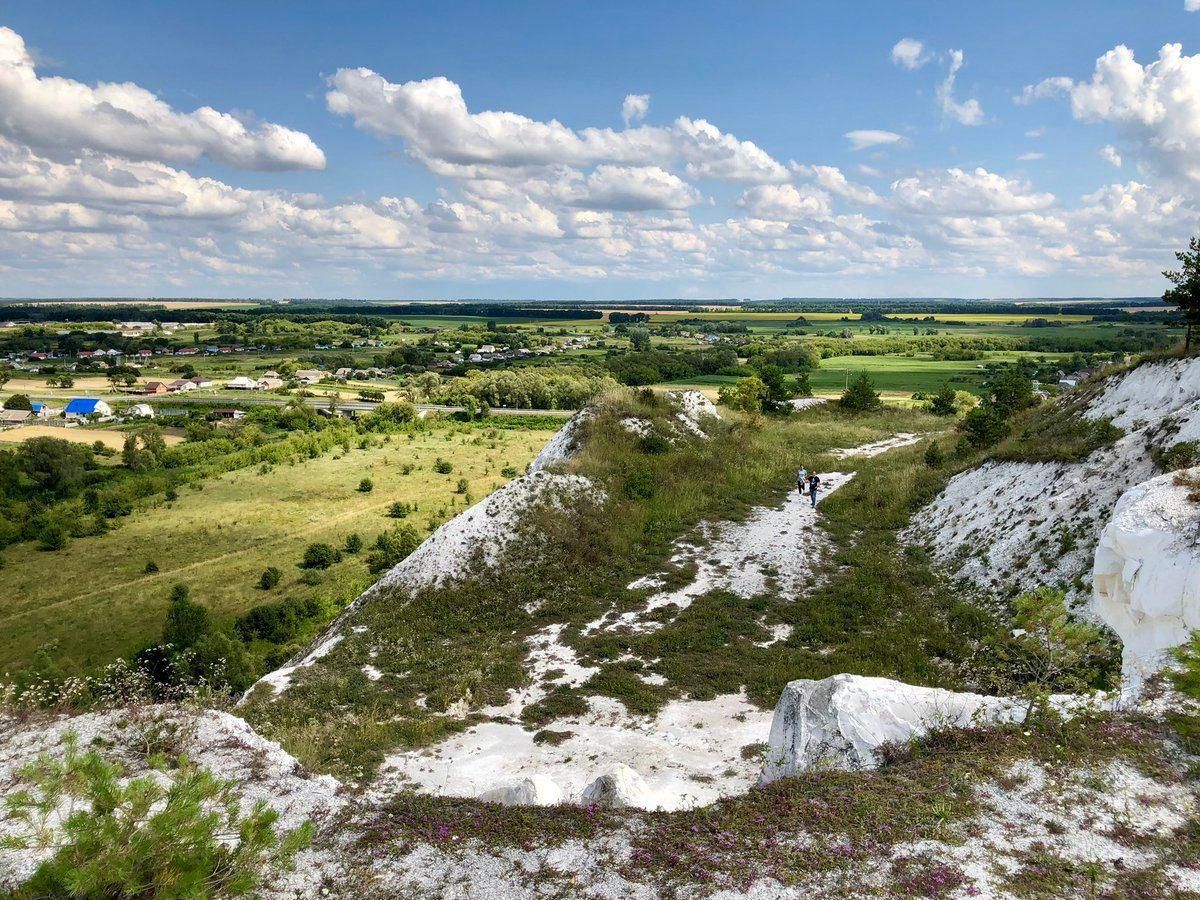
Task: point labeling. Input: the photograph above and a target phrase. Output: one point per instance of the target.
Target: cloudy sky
(599, 150)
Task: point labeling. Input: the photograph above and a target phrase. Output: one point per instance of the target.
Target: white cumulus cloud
(1109, 153)
(1156, 107)
(635, 107)
(59, 115)
(909, 53)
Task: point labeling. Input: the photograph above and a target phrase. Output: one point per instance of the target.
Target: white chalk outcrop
(695, 411)
(535, 790)
(1010, 526)
(620, 788)
(840, 722)
(1147, 575)
(567, 441)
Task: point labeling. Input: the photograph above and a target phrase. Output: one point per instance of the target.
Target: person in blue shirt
(801, 480)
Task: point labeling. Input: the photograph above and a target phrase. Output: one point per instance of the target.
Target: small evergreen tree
(391, 547)
(186, 622)
(269, 578)
(354, 542)
(319, 556)
(1185, 292)
(943, 403)
(861, 395)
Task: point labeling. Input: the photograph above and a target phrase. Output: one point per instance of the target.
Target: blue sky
(388, 184)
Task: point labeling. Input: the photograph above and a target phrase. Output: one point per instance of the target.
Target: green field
(93, 600)
(896, 374)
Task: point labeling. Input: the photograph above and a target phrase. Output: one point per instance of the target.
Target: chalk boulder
(536, 790)
(567, 441)
(694, 410)
(1146, 578)
(622, 787)
(841, 721)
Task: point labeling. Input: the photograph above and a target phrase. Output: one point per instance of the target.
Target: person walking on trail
(802, 480)
(814, 482)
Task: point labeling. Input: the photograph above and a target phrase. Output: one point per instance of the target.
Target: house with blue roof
(83, 407)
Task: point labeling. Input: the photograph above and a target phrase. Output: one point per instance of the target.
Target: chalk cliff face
(1147, 573)
(1010, 526)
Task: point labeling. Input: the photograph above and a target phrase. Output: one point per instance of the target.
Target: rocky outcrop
(1146, 579)
(840, 722)
(567, 441)
(1010, 526)
(620, 788)
(695, 411)
(536, 790)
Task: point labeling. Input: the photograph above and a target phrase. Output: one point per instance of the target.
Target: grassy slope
(94, 600)
(465, 641)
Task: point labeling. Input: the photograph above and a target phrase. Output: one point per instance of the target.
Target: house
(309, 376)
(155, 387)
(1068, 382)
(145, 354)
(234, 414)
(187, 351)
(10, 418)
(85, 354)
(180, 384)
(38, 356)
(141, 410)
(43, 410)
(270, 373)
(242, 383)
(343, 372)
(82, 407)
(201, 382)
(269, 384)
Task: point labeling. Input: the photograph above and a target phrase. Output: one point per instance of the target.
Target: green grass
(897, 374)
(93, 600)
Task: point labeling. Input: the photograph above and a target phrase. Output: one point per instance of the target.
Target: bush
(141, 838)
(366, 486)
(277, 622)
(933, 456)
(187, 621)
(319, 556)
(18, 401)
(400, 510)
(984, 426)
(462, 487)
(391, 547)
(509, 472)
(53, 537)
(943, 403)
(269, 578)
(151, 568)
(442, 466)
(171, 495)
(861, 395)
(640, 485)
(354, 542)
(655, 445)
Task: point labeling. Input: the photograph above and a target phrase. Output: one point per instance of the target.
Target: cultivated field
(95, 601)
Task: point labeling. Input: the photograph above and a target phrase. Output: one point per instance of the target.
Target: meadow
(93, 600)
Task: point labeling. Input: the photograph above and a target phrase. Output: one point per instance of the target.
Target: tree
(639, 338)
(143, 448)
(747, 395)
(180, 836)
(366, 486)
(56, 465)
(1185, 292)
(943, 403)
(984, 426)
(777, 389)
(861, 395)
(269, 578)
(319, 556)
(1011, 391)
(1050, 650)
(392, 547)
(187, 621)
(354, 542)
(18, 401)
(5, 374)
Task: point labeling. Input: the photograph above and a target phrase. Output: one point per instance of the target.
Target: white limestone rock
(536, 790)
(840, 722)
(566, 442)
(802, 403)
(620, 788)
(694, 410)
(1146, 578)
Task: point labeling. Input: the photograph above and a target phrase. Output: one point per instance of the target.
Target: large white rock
(694, 410)
(536, 790)
(841, 721)
(621, 787)
(566, 442)
(1146, 578)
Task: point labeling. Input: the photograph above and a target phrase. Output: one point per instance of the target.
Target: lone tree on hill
(861, 394)
(1186, 291)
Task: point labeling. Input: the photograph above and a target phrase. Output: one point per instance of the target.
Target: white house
(242, 383)
(269, 384)
(309, 376)
(141, 410)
